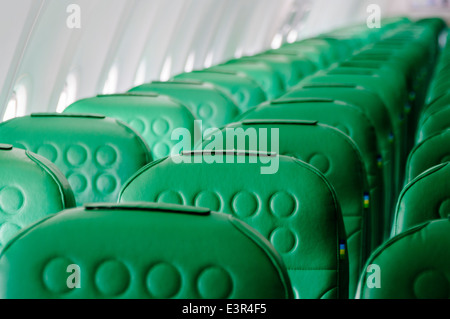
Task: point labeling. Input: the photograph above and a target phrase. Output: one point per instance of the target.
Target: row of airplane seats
(104, 189)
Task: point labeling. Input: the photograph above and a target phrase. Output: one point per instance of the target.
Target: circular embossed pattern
(112, 278)
(170, 197)
(76, 155)
(138, 125)
(106, 156)
(321, 162)
(55, 275)
(431, 284)
(209, 200)
(48, 151)
(163, 281)
(283, 240)
(160, 126)
(78, 182)
(282, 204)
(106, 183)
(204, 111)
(245, 204)
(161, 150)
(7, 231)
(444, 209)
(214, 283)
(11, 200)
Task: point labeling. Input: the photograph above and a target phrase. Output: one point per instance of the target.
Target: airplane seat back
(96, 154)
(309, 236)
(412, 265)
(141, 250)
(153, 116)
(31, 188)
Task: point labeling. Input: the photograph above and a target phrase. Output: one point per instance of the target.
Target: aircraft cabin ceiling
(57, 51)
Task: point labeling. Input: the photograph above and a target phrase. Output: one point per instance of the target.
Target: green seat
(245, 91)
(432, 151)
(141, 251)
(320, 46)
(31, 188)
(376, 65)
(290, 69)
(436, 122)
(430, 110)
(415, 50)
(440, 83)
(313, 53)
(392, 78)
(96, 154)
(439, 90)
(392, 97)
(301, 217)
(390, 86)
(333, 49)
(412, 265)
(267, 78)
(212, 106)
(425, 198)
(340, 161)
(404, 55)
(413, 57)
(375, 110)
(153, 116)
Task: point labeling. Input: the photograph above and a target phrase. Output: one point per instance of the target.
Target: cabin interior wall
(123, 43)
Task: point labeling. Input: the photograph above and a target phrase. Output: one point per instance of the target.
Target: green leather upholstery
(439, 85)
(31, 188)
(423, 199)
(430, 152)
(392, 98)
(391, 76)
(435, 106)
(433, 124)
(410, 59)
(260, 72)
(96, 154)
(153, 116)
(311, 52)
(285, 66)
(300, 64)
(375, 110)
(321, 55)
(301, 217)
(245, 91)
(142, 250)
(331, 48)
(412, 265)
(212, 106)
(338, 158)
